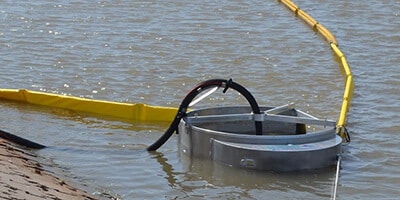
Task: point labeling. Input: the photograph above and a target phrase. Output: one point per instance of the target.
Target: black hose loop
(197, 90)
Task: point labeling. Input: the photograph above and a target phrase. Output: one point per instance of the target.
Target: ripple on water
(154, 52)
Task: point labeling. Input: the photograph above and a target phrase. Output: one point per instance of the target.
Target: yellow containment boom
(348, 77)
(135, 112)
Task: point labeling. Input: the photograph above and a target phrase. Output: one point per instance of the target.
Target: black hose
(19, 140)
(193, 93)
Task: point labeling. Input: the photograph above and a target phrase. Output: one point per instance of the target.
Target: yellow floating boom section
(348, 77)
(134, 112)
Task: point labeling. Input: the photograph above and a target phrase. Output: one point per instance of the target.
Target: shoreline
(22, 176)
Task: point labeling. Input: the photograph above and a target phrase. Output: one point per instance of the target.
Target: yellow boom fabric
(348, 77)
(134, 112)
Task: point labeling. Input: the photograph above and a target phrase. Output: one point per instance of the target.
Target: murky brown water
(154, 52)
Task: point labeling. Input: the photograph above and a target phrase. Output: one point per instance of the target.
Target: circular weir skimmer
(228, 135)
(263, 138)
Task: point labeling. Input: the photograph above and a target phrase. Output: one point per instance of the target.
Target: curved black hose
(193, 93)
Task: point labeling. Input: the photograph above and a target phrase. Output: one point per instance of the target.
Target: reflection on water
(199, 174)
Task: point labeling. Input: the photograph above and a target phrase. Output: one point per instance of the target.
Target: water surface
(154, 52)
